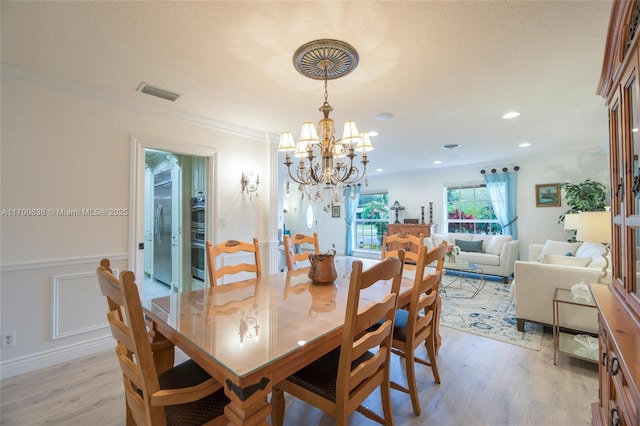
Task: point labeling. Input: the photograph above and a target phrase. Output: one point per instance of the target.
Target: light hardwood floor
(484, 382)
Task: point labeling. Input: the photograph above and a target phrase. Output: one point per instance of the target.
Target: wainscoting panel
(78, 306)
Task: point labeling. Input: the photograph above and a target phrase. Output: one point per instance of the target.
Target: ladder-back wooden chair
(163, 349)
(292, 257)
(418, 322)
(182, 395)
(230, 247)
(407, 242)
(341, 380)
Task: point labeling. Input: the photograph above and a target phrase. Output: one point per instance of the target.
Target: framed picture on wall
(335, 211)
(548, 195)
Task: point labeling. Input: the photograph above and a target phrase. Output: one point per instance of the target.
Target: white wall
(68, 147)
(535, 224)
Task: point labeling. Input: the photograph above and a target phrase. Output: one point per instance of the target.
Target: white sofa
(550, 267)
(497, 254)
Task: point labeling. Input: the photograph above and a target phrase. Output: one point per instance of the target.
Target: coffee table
(462, 281)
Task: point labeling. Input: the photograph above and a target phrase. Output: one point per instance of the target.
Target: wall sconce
(249, 184)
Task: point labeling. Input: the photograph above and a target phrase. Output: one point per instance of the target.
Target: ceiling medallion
(334, 57)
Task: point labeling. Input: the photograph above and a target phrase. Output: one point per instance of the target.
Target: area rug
(491, 313)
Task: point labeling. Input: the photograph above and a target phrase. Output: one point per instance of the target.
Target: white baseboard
(36, 361)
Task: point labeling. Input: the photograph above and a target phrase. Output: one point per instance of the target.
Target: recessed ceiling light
(379, 170)
(437, 162)
(524, 145)
(451, 146)
(383, 116)
(509, 115)
(373, 133)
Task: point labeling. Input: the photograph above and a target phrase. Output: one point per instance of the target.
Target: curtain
(350, 207)
(502, 192)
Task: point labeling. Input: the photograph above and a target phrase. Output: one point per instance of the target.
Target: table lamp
(595, 227)
(397, 207)
(571, 221)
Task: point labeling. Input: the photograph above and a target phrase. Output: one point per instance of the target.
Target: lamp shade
(365, 143)
(571, 221)
(350, 134)
(308, 132)
(286, 142)
(301, 150)
(594, 227)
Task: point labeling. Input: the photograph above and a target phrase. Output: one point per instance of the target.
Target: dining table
(252, 334)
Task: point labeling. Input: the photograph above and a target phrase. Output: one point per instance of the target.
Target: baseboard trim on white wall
(36, 361)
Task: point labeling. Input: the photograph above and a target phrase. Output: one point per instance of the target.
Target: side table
(564, 342)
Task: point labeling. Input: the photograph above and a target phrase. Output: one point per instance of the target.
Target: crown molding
(91, 92)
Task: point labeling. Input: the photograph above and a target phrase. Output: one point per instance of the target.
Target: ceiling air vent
(158, 92)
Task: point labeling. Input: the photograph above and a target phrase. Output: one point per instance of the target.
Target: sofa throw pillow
(555, 259)
(557, 248)
(592, 250)
(439, 238)
(469, 246)
(496, 243)
(428, 243)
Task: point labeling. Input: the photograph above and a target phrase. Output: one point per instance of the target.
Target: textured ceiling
(447, 71)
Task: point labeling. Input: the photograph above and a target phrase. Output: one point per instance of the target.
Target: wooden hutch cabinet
(619, 302)
(409, 228)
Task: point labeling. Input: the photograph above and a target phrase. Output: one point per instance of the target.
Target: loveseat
(556, 264)
(495, 254)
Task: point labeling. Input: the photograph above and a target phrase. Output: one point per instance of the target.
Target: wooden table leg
(163, 349)
(248, 404)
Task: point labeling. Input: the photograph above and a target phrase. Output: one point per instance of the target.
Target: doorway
(171, 215)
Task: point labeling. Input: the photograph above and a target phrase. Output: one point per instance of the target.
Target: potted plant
(586, 196)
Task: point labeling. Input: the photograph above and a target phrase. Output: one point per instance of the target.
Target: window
(469, 210)
(372, 217)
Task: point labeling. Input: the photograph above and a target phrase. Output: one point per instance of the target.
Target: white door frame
(138, 144)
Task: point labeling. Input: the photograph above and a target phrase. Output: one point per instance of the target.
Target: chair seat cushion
(320, 376)
(400, 325)
(198, 412)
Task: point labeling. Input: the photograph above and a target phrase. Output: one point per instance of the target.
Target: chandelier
(326, 164)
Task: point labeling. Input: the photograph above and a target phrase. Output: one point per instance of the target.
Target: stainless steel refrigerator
(162, 227)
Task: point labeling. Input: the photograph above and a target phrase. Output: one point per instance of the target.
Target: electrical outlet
(8, 339)
(222, 222)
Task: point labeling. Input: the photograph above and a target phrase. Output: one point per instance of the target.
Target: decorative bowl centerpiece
(323, 269)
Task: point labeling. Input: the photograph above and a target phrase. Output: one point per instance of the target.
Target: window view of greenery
(469, 210)
(372, 217)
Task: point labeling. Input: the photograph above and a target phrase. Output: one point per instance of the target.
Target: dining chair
(182, 395)
(163, 349)
(410, 243)
(338, 382)
(293, 257)
(418, 322)
(230, 247)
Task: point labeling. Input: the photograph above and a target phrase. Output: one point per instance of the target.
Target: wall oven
(198, 264)
(198, 212)
(198, 215)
